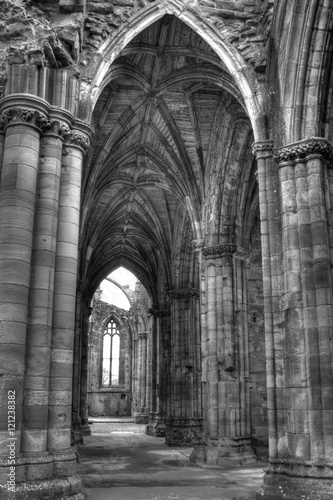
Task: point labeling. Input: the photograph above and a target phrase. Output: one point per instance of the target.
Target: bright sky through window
(112, 294)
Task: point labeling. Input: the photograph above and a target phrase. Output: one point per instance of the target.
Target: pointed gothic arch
(245, 79)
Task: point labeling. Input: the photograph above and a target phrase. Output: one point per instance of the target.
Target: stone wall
(111, 403)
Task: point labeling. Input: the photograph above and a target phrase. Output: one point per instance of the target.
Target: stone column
(149, 373)
(2, 144)
(270, 244)
(141, 415)
(17, 211)
(225, 354)
(36, 384)
(161, 321)
(301, 452)
(29, 201)
(184, 424)
(62, 346)
(153, 374)
(134, 372)
(77, 362)
(85, 428)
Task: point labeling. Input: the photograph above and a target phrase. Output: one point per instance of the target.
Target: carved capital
(55, 127)
(22, 114)
(302, 149)
(5, 118)
(142, 335)
(64, 130)
(197, 245)
(262, 149)
(74, 138)
(43, 122)
(216, 251)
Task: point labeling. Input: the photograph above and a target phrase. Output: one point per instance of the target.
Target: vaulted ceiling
(163, 122)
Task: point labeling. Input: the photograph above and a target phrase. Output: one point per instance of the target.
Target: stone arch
(139, 271)
(244, 77)
(299, 70)
(123, 288)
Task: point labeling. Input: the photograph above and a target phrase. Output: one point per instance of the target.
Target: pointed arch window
(111, 354)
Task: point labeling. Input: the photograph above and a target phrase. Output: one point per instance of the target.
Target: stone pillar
(77, 361)
(62, 346)
(17, 208)
(141, 415)
(135, 345)
(149, 373)
(270, 244)
(36, 384)
(2, 144)
(29, 204)
(153, 373)
(184, 424)
(161, 321)
(225, 356)
(301, 372)
(85, 428)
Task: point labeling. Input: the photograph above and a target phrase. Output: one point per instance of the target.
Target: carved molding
(262, 148)
(74, 138)
(5, 117)
(216, 251)
(64, 130)
(142, 335)
(43, 122)
(55, 127)
(25, 115)
(302, 149)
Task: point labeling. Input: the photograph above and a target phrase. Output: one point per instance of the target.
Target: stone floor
(119, 462)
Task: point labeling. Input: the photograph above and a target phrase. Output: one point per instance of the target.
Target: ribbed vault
(165, 123)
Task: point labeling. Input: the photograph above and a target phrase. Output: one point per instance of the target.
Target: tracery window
(111, 354)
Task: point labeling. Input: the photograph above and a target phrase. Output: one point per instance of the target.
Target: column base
(295, 481)
(156, 426)
(141, 418)
(225, 451)
(183, 431)
(41, 477)
(85, 430)
(76, 437)
(85, 427)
